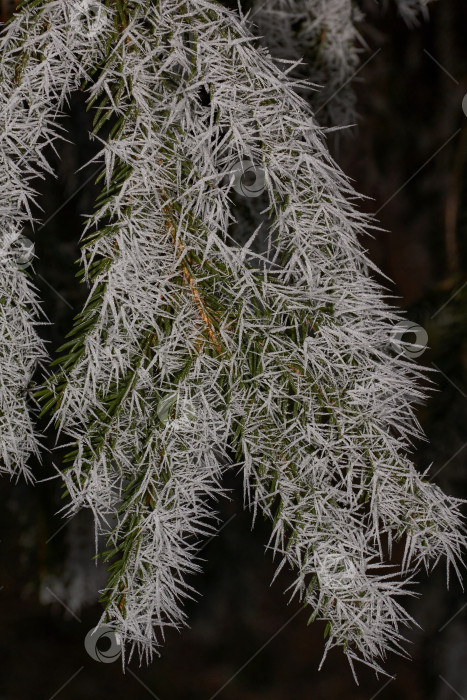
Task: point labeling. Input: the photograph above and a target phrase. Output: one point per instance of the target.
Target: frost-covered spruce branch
(188, 344)
(37, 70)
(322, 35)
(323, 39)
(412, 10)
(20, 352)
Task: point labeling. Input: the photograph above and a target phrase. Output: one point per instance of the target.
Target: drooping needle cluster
(192, 352)
(323, 38)
(38, 69)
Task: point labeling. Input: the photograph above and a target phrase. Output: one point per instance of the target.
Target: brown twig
(198, 301)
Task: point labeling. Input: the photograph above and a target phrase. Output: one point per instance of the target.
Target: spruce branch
(412, 11)
(319, 43)
(190, 346)
(323, 40)
(38, 69)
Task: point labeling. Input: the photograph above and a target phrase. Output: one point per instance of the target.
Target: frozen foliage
(192, 350)
(20, 351)
(412, 10)
(322, 39)
(39, 67)
(37, 70)
(323, 36)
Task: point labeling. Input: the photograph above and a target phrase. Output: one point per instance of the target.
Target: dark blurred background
(408, 155)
